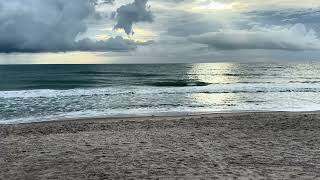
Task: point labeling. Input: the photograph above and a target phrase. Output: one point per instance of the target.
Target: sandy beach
(260, 145)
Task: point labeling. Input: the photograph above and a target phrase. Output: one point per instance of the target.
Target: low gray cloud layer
(132, 13)
(111, 44)
(52, 26)
(295, 38)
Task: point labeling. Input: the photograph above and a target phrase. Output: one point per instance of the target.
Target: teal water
(31, 93)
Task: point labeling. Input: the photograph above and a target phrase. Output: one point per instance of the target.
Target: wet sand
(272, 145)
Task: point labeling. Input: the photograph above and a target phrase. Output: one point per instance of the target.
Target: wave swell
(179, 83)
(167, 88)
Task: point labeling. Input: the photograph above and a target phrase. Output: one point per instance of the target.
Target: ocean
(32, 93)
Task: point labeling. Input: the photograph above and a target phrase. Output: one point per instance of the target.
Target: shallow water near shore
(31, 93)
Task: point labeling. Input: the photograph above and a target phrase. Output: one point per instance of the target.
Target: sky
(158, 31)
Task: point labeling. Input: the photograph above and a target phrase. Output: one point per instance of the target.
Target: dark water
(47, 92)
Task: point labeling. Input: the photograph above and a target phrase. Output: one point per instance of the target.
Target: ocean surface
(30, 93)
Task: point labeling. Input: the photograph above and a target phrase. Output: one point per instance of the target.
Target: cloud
(192, 24)
(113, 44)
(132, 13)
(52, 26)
(295, 38)
(97, 2)
(308, 17)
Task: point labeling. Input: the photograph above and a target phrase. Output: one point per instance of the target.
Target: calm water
(49, 92)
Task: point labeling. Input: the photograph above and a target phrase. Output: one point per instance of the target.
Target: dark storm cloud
(132, 13)
(52, 26)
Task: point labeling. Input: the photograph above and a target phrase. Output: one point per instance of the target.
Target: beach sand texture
(270, 145)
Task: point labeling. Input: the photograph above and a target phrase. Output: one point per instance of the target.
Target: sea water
(30, 93)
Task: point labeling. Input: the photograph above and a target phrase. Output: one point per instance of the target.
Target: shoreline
(257, 145)
(148, 115)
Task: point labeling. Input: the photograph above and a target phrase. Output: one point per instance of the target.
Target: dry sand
(275, 145)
